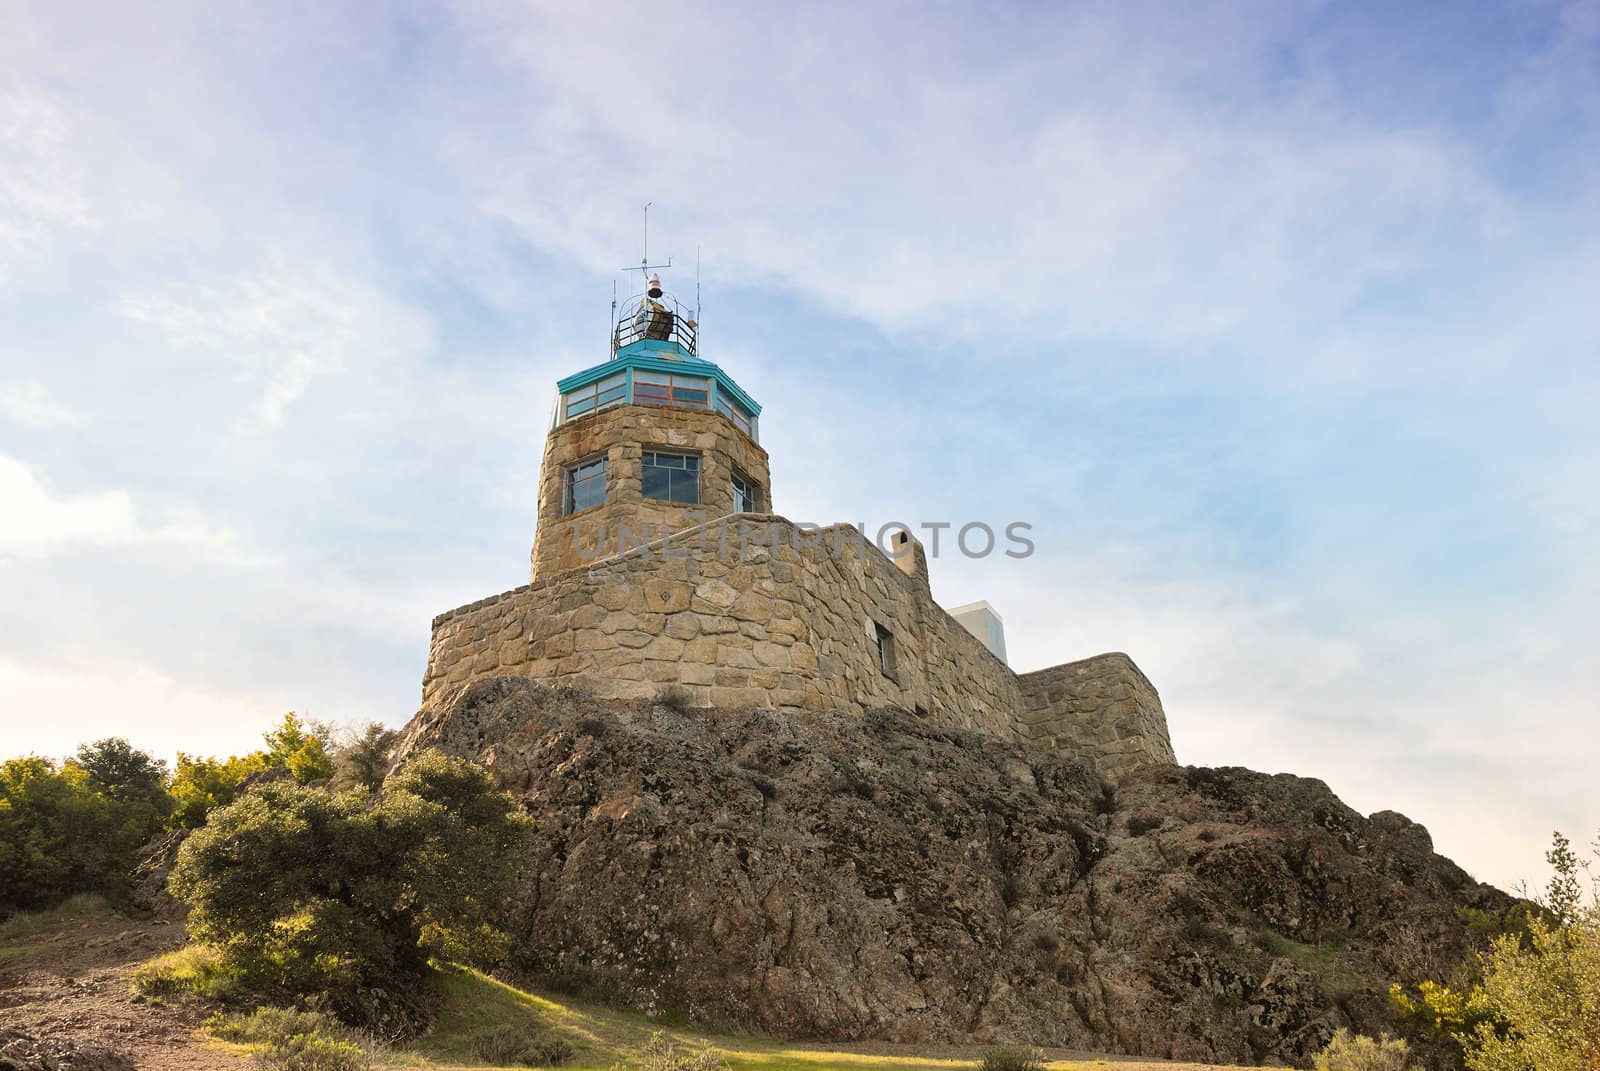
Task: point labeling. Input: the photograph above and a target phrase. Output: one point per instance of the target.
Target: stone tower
(658, 566)
(654, 440)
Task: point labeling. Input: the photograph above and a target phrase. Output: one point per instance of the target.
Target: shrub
(343, 897)
(1539, 996)
(1012, 1058)
(1140, 824)
(77, 826)
(1357, 1052)
(661, 1054)
(511, 1044)
(295, 1040)
(363, 760)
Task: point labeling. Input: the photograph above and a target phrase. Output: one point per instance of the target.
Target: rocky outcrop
(848, 877)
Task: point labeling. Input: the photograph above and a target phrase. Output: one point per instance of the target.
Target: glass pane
(576, 406)
(586, 493)
(690, 397)
(655, 482)
(640, 376)
(691, 462)
(685, 488)
(612, 381)
(613, 394)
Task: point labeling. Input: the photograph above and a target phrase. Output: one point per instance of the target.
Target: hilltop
(813, 875)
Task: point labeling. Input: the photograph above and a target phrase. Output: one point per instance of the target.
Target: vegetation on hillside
(1535, 1003)
(78, 826)
(343, 897)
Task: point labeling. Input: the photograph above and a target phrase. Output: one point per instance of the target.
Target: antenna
(697, 320)
(645, 267)
(611, 325)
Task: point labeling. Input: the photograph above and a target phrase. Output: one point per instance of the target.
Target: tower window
(683, 392)
(672, 477)
(746, 494)
(736, 413)
(885, 650)
(586, 485)
(613, 390)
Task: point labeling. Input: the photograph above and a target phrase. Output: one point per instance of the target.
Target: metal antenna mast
(645, 267)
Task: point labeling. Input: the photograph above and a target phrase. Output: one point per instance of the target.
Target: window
(672, 477)
(746, 495)
(586, 485)
(885, 650)
(613, 390)
(658, 388)
(736, 414)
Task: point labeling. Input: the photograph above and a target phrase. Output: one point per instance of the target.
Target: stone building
(658, 566)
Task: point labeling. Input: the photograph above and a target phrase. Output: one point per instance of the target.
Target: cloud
(41, 522)
(40, 188)
(284, 327)
(30, 403)
(1062, 194)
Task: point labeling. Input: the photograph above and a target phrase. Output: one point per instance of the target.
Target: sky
(1276, 321)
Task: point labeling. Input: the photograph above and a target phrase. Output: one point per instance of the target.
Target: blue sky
(1276, 321)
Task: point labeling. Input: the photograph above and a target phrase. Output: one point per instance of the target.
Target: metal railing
(657, 319)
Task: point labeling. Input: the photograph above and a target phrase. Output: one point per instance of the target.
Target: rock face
(830, 876)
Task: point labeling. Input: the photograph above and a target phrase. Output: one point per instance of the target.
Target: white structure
(980, 619)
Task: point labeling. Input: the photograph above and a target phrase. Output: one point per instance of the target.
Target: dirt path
(68, 982)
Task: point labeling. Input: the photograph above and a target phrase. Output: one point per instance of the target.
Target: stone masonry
(667, 583)
(753, 611)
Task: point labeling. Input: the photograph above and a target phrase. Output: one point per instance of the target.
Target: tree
(344, 896)
(200, 785)
(76, 827)
(1537, 1004)
(301, 748)
(124, 773)
(364, 759)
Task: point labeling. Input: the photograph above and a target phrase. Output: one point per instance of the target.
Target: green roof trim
(643, 355)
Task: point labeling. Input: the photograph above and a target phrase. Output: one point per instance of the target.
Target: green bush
(78, 826)
(344, 897)
(1357, 1052)
(1537, 1000)
(1012, 1058)
(511, 1044)
(295, 1040)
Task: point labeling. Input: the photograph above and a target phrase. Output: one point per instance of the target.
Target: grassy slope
(602, 1037)
(605, 1037)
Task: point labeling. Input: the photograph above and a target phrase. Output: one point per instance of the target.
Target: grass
(193, 970)
(28, 923)
(1326, 961)
(603, 1038)
(472, 1005)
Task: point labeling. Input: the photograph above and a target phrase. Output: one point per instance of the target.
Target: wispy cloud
(40, 187)
(42, 522)
(285, 327)
(31, 403)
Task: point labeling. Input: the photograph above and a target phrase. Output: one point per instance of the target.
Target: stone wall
(752, 611)
(747, 611)
(1102, 705)
(621, 435)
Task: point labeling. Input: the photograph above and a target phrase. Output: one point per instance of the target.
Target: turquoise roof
(649, 355)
